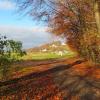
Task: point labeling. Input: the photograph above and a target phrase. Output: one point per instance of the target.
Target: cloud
(30, 36)
(21, 29)
(7, 5)
(21, 32)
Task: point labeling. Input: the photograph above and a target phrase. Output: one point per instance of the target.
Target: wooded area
(77, 20)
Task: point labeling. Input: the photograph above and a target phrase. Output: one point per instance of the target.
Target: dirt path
(72, 79)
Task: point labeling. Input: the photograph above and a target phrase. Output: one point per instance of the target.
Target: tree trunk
(97, 14)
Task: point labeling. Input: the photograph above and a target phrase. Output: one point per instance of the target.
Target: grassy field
(53, 50)
(46, 55)
(34, 56)
(25, 64)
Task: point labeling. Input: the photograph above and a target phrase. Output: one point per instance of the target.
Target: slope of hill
(49, 51)
(50, 47)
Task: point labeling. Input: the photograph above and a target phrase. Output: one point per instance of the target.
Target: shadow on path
(64, 82)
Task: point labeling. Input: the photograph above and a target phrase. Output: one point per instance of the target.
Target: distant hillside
(50, 47)
(52, 50)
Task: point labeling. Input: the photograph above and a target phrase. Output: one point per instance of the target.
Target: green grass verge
(44, 56)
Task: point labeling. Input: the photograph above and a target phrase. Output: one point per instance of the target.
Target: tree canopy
(78, 20)
(10, 50)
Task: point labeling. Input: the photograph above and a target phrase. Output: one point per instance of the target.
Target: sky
(22, 28)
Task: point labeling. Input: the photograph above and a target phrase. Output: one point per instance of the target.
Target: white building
(54, 46)
(63, 43)
(60, 53)
(44, 50)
